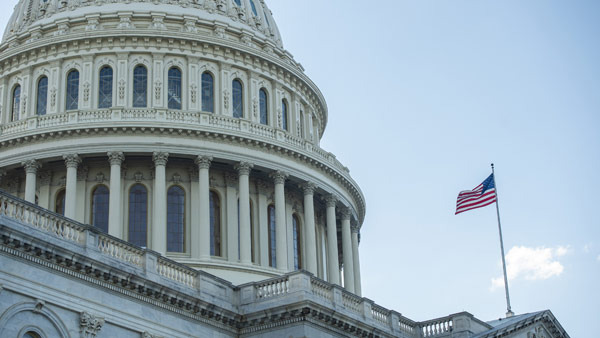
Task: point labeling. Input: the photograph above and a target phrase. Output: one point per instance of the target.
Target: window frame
(72, 99)
(173, 82)
(241, 98)
(129, 214)
(212, 92)
(102, 95)
(37, 96)
(145, 83)
(15, 112)
(92, 206)
(183, 218)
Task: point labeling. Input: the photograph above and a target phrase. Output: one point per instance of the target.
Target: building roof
(503, 326)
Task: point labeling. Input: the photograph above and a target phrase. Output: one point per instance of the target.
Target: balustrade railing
(437, 327)
(380, 314)
(321, 289)
(119, 250)
(189, 118)
(272, 287)
(176, 272)
(352, 302)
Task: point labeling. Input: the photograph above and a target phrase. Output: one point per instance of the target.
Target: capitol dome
(180, 126)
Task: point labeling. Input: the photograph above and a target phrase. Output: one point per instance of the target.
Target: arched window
(263, 103)
(284, 113)
(31, 334)
(100, 198)
(138, 215)
(253, 8)
(301, 121)
(297, 243)
(238, 2)
(16, 103)
(272, 238)
(59, 203)
(174, 88)
(238, 98)
(140, 87)
(105, 87)
(208, 92)
(175, 219)
(215, 224)
(72, 90)
(42, 96)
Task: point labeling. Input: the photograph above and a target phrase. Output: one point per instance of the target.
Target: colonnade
(200, 222)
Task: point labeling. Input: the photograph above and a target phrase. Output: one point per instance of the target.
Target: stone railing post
(151, 265)
(248, 294)
(395, 321)
(299, 281)
(368, 310)
(337, 299)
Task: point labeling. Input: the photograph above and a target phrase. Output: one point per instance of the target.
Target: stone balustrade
(437, 327)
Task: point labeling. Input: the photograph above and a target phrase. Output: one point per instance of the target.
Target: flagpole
(509, 312)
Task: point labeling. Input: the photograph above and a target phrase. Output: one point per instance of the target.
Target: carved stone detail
(90, 325)
(308, 188)
(278, 177)
(346, 213)
(330, 200)
(160, 158)
(116, 157)
(138, 177)
(31, 166)
(176, 178)
(231, 179)
(203, 162)
(100, 177)
(72, 160)
(82, 173)
(243, 168)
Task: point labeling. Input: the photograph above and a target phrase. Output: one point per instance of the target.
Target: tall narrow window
(174, 88)
(272, 238)
(100, 208)
(105, 87)
(175, 219)
(301, 122)
(140, 87)
(138, 215)
(16, 103)
(238, 2)
(253, 8)
(215, 224)
(42, 96)
(72, 90)
(263, 103)
(284, 113)
(208, 92)
(238, 98)
(297, 243)
(59, 203)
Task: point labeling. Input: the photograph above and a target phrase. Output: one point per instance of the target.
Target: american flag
(482, 195)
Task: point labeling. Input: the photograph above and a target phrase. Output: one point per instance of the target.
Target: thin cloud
(532, 264)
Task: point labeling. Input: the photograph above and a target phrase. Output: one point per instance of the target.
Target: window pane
(253, 8)
(105, 87)
(175, 219)
(16, 106)
(284, 117)
(174, 88)
(238, 2)
(215, 224)
(100, 199)
(140, 87)
(297, 254)
(208, 92)
(42, 96)
(263, 107)
(59, 206)
(72, 90)
(272, 242)
(138, 215)
(238, 97)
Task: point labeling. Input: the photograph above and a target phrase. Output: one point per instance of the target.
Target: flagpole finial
(492, 165)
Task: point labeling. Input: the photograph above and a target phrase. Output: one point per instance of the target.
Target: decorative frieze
(90, 325)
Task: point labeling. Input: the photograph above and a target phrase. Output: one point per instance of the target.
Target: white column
(115, 219)
(243, 169)
(357, 286)
(203, 242)
(159, 210)
(347, 250)
(332, 247)
(309, 227)
(279, 178)
(31, 168)
(72, 162)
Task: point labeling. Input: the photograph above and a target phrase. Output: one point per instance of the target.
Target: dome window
(59, 202)
(175, 219)
(253, 8)
(72, 102)
(42, 96)
(263, 103)
(284, 113)
(140, 87)
(16, 103)
(208, 92)
(238, 99)
(100, 208)
(138, 215)
(105, 87)
(238, 2)
(174, 88)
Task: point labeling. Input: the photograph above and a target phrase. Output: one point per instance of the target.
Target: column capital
(330, 200)
(72, 160)
(244, 168)
(355, 228)
(346, 213)
(203, 162)
(279, 176)
(31, 166)
(116, 157)
(160, 158)
(308, 188)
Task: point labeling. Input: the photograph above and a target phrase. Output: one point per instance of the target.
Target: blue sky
(423, 96)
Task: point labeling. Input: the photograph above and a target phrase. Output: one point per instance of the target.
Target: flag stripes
(481, 196)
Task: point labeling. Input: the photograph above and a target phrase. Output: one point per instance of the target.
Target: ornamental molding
(203, 162)
(279, 176)
(116, 157)
(243, 168)
(345, 213)
(72, 160)
(31, 166)
(160, 158)
(308, 188)
(330, 200)
(82, 173)
(90, 325)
